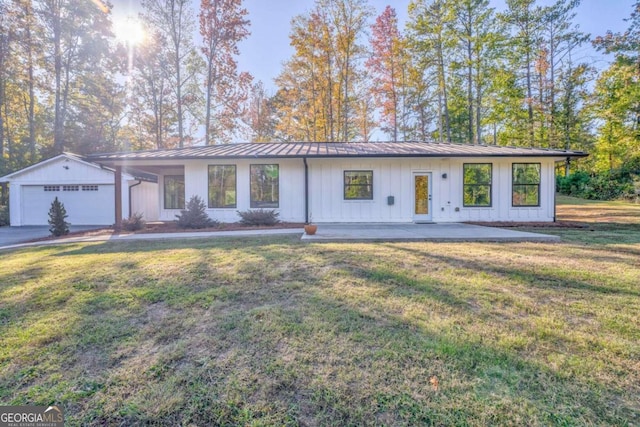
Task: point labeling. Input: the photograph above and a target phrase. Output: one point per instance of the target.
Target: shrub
(4, 215)
(58, 226)
(259, 217)
(599, 186)
(195, 216)
(134, 223)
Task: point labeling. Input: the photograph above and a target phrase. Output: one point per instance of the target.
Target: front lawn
(271, 331)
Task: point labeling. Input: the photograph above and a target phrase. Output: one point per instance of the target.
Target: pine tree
(195, 215)
(58, 226)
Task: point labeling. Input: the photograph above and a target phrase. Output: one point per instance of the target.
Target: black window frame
(489, 184)
(257, 204)
(164, 190)
(346, 185)
(235, 188)
(537, 185)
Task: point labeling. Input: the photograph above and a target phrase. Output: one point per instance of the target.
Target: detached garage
(86, 189)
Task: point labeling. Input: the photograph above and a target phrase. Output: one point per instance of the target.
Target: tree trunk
(58, 142)
(470, 90)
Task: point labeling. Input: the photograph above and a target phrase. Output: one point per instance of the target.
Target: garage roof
(335, 149)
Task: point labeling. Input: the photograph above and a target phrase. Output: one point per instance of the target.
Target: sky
(264, 51)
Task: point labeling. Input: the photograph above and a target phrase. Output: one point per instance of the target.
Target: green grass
(271, 331)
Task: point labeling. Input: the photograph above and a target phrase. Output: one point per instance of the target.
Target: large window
(477, 184)
(358, 185)
(222, 186)
(174, 192)
(265, 186)
(526, 184)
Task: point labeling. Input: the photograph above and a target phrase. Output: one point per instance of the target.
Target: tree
(623, 108)
(388, 66)
(320, 87)
(173, 21)
(58, 226)
(153, 115)
(223, 25)
(560, 38)
(430, 41)
(476, 56)
(259, 115)
(525, 21)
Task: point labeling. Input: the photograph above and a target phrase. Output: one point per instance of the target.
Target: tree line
(457, 71)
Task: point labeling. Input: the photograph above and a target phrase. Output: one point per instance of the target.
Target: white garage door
(85, 204)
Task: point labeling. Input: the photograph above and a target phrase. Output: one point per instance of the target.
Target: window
(89, 188)
(70, 188)
(477, 184)
(174, 192)
(358, 185)
(51, 188)
(526, 184)
(222, 186)
(265, 186)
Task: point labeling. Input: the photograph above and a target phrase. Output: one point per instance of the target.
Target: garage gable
(62, 169)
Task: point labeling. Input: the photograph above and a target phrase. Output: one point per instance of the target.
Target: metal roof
(335, 150)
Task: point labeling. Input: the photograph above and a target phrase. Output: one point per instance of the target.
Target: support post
(118, 196)
(306, 191)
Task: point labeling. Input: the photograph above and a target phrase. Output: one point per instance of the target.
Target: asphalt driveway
(13, 235)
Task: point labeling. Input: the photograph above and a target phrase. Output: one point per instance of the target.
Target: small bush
(134, 223)
(195, 215)
(58, 226)
(4, 215)
(259, 217)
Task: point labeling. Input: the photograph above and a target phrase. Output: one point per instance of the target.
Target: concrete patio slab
(422, 232)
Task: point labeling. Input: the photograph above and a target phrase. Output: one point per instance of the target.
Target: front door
(422, 197)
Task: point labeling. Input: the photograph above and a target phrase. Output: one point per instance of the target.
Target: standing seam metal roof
(336, 149)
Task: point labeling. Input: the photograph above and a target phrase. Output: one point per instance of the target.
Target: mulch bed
(172, 227)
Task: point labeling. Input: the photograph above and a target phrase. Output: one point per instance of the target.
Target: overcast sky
(264, 51)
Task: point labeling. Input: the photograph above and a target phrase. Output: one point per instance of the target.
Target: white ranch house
(396, 182)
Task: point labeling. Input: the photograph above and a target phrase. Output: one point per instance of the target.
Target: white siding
(30, 203)
(394, 177)
(291, 206)
(144, 200)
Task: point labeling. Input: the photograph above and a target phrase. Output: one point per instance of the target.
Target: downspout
(306, 190)
(130, 187)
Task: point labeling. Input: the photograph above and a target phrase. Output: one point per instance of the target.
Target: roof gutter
(306, 190)
(130, 187)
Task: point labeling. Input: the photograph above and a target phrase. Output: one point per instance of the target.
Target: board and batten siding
(391, 177)
(196, 182)
(394, 177)
(29, 203)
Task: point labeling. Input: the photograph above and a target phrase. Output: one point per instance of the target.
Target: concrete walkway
(332, 232)
(440, 232)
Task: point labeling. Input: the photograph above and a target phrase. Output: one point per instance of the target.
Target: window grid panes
(526, 184)
(477, 184)
(89, 188)
(222, 186)
(70, 188)
(174, 192)
(51, 188)
(265, 186)
(358, 185)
